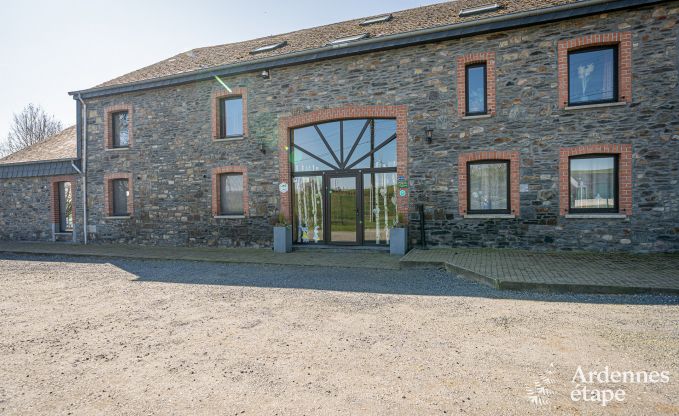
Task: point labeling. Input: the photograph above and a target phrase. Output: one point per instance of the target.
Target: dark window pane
(488, 186)
(231, 194)
(476, 89)
(121, 137)
(591, 76)
(120, 195)
(232, 117)
(592, 183)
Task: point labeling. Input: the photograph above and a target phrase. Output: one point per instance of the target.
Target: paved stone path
(358, 259)
(557, 271)
(502, 269)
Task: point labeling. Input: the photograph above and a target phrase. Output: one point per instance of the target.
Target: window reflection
(592, 75)
(488, 187)
(476, 89)
(308, 209)
(593, 183)
(379, 206)
(232, 117)
(344, 147)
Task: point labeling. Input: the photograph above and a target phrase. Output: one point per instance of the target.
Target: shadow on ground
(414, 282)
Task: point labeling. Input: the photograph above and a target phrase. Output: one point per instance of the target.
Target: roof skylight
(268, 48)
(378, 19)
(486, 8)
(348, 39)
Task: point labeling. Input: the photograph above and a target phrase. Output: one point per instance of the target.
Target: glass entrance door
(344, 178)
(344, 213)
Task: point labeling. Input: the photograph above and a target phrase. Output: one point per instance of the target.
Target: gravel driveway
(93, 336)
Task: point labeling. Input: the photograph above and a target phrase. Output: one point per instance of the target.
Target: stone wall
(174, 153)
(27, 211)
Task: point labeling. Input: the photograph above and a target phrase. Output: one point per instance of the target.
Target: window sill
(479, 117)
(229, 139)
(118, 217)
(597, 216)
(489, 216)
(116, 149)
(228, 217)
(592, 106)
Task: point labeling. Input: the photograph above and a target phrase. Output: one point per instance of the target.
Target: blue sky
(48, 48)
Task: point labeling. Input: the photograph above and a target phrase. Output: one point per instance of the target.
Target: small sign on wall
(283, 187)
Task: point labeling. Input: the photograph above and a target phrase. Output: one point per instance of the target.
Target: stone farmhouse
(533, 124)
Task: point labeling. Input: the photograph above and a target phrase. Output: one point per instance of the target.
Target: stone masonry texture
(174, 153)
(27, 208)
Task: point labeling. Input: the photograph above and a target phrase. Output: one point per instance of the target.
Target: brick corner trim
(285, 124)
(108, 192)
(476, 58)
(220, 94)
(216, 188)
(54, 195)
(624, 152)
(514, 171)
(108, 124)
(624, 42)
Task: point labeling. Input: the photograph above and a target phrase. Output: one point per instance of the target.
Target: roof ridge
(275, 37)
(429, 16)
(329, 24)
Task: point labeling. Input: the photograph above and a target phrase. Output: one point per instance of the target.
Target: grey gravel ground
(96, 336)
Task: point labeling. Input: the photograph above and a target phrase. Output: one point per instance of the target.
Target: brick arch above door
(285, 124)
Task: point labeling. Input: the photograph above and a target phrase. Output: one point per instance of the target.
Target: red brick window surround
(624, 42)
(216, 196)
(400, 113)
(463, 62)
(108, 125)
(108, 192)
(54, 196)
(217, 97)
(624, 152)
(514, 168)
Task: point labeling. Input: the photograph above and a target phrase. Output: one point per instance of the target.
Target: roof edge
(38, 162)
(399, 40)
(40, 168)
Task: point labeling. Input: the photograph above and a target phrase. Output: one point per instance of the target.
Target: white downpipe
(76, 168)
(83, 115)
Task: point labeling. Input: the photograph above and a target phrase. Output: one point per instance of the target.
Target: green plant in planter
(401, 223)
(282, 221)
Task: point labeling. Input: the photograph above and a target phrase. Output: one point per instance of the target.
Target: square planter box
(282, 239)
(398, 243)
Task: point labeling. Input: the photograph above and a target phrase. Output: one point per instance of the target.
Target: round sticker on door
(402, 192)
(283, 187)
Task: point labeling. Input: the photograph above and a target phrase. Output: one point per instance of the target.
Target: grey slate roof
(60, 146)
(48, 168)
(51, 157)
(410, 20)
